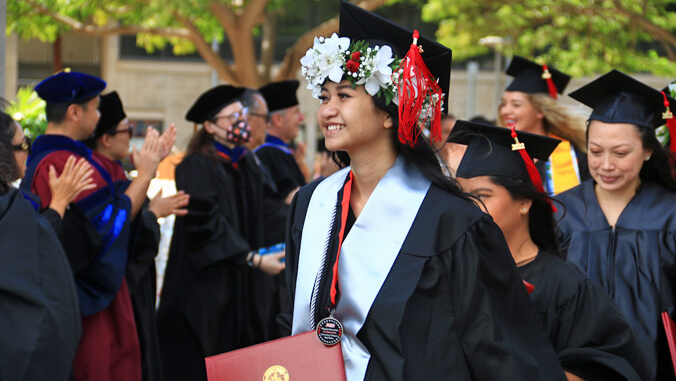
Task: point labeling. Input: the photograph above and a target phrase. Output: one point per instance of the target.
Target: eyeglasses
(234, 117)
(266, 117)
(129, 130)
(24, 146)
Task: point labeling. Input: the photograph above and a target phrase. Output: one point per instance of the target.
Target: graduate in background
(421, 280)
(110, 145)
(40, 320)
(591, 337)
(530, 103)
(619, 227)
(207, 306)
(98, 221)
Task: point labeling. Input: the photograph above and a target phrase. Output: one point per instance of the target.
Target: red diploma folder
(670, 330)
(299, 358)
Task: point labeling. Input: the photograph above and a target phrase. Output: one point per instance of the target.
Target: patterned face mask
(239, 132)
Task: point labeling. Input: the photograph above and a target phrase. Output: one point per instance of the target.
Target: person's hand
(270, 263)
(148, 157)
(75, 178)
(166, 206)
(299, 152)
(167, 140)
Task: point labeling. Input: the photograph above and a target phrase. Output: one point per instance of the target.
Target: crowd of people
(538, 247)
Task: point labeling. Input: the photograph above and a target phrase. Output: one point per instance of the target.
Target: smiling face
(507, 212)
(119, 141)
(615, 155)
(349, 119)
(516, 109)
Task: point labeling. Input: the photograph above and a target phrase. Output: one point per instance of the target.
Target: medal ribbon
(345, 206)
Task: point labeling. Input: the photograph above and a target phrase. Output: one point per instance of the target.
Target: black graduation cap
(528, 77)
(280, 95)
(69, 87)
(489, 150)
(212, 101)
(112, 113)
(359, 24)
(618, 98)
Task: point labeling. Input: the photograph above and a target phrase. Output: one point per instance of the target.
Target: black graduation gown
(635, 263)
(588, 331)
(204, 307)
(40, 324)
(282, 167)
(142, 285)
(452, 307)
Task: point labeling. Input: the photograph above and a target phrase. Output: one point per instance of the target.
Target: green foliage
(29, 111)
(580, 37)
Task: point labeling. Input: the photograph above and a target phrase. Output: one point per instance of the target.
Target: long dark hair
(8, 167)
(203, 142)
(423, 155)
(541, 222)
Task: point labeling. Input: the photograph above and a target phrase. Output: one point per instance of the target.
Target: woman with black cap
(619, 227)
(420, 280)
(207, 306)
(530, 104)
(591, 337)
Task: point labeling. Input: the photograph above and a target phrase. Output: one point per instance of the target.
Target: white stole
(367, 253)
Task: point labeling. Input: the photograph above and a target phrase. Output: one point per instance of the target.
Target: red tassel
(529, 287)
(547, 76)
(415, 84)
(530, 166)
(671, 124)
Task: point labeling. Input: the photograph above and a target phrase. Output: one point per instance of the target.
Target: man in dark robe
(97, 251)
(276, 153)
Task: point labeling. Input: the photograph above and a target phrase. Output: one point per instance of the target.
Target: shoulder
(575, 201)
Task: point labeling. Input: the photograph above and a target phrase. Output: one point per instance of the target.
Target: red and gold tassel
(530, 166)
(416, 83)
(547, 76)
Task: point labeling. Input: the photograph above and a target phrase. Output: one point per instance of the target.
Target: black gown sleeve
(54, 219)
(497, 324)
(209, 233)
(144, 249)
(594, 341)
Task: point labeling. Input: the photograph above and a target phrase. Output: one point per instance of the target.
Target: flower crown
(336, 58)
(407, 81)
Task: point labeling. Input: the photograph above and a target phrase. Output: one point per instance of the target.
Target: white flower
(380, 69)
(672, 89)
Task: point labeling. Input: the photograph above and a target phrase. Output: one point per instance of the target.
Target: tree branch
(662, 36)
(83, 28)
(291, 61)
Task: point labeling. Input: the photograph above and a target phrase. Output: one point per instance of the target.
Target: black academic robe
(204, 305)
(281, 164)
(635, 263)
(452, 307)
(590, 335)
(39, 314)
(142, 283)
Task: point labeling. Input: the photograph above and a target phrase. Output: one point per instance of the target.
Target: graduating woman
(591, 337)
(420, 279)
(530, 104)
(205, 302)
(620, 226)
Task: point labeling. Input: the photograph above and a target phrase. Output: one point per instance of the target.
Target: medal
(329, 330)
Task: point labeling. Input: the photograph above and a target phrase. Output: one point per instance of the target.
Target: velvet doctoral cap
(70, 87)
(489, 150)
(530, 77)
(212, 101)
(280, 95)
(112, 113)
(618, 98)
(358, 24)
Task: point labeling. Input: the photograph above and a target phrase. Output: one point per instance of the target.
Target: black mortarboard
(212, 101)
(489, 150)
(69, 87)
(528, 77)
(280, 95)
(359, 24)
(618, 98)
(112, 113)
